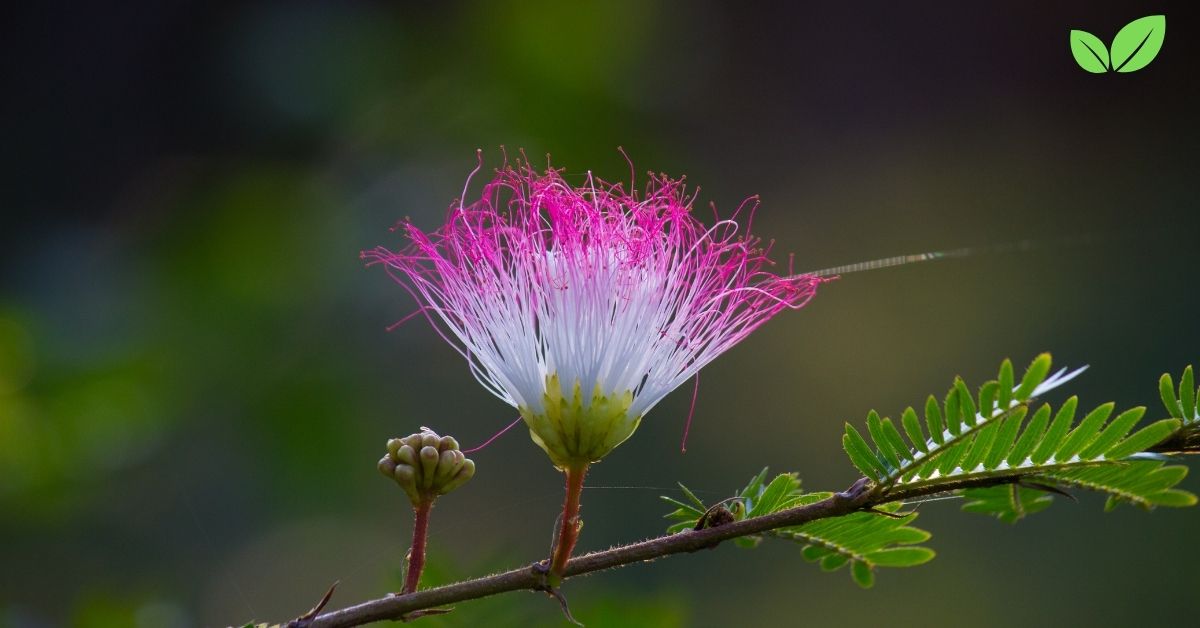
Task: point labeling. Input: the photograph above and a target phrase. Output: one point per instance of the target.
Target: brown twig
(862, 495)
(527, 578)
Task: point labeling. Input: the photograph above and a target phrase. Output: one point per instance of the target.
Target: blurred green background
(196, 383)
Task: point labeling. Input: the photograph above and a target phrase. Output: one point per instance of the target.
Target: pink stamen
(687, 427)
(393, 326)
(493, 438)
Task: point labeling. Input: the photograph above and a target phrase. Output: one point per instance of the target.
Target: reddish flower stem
(416, 555)
(568, 531)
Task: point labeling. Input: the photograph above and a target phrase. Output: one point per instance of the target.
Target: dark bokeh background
(195, 380)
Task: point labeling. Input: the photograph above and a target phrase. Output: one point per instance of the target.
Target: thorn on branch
(407, 617)
(306, 619)
(541, 570)
(855, 492)
(1049, 488)
(890, 515)
(562, 602)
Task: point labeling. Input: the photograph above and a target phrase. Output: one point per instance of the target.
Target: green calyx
(573, 433)
(426, 465)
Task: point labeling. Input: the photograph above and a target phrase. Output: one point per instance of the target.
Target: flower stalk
(416, 553)
(571, 524)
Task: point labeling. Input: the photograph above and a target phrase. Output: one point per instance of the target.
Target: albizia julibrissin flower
(584, 306)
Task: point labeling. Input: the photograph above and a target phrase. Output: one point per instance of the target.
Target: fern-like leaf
(757, 498)
(862, 540)
(1003, 449)
(966, 433)
(1143, 483)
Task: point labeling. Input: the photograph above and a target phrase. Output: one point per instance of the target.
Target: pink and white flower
(584, 306)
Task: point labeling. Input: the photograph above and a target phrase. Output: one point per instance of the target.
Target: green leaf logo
(1134, 47)
(1089, 52)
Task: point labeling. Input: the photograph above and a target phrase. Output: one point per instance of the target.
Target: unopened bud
(387, 466)
(407, 455)
(446, 467)
(429, 461)
(465, 473)
(426, 465)
(406, 477)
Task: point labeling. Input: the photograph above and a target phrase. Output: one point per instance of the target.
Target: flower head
(584, 306)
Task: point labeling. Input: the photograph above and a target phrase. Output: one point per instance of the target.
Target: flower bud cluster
(426, 465)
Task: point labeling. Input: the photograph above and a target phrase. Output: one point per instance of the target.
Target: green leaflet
(1185, 405)
(966, 404)
(1034, 432)
(861, 455)
(876, 430)
(1188, 394)
(778, 495)
(1145, 438)
(933, 419)
(1057, 432)
(1117, 429)
(979, 447)
(1008, 503)
(1083, 433)
(862, 574)
(1034, 376)
(987, 397)
(1167, 391)
(912, 427)
(1005, 437)
(1005, 381)
(952, 413)
(900, 556)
